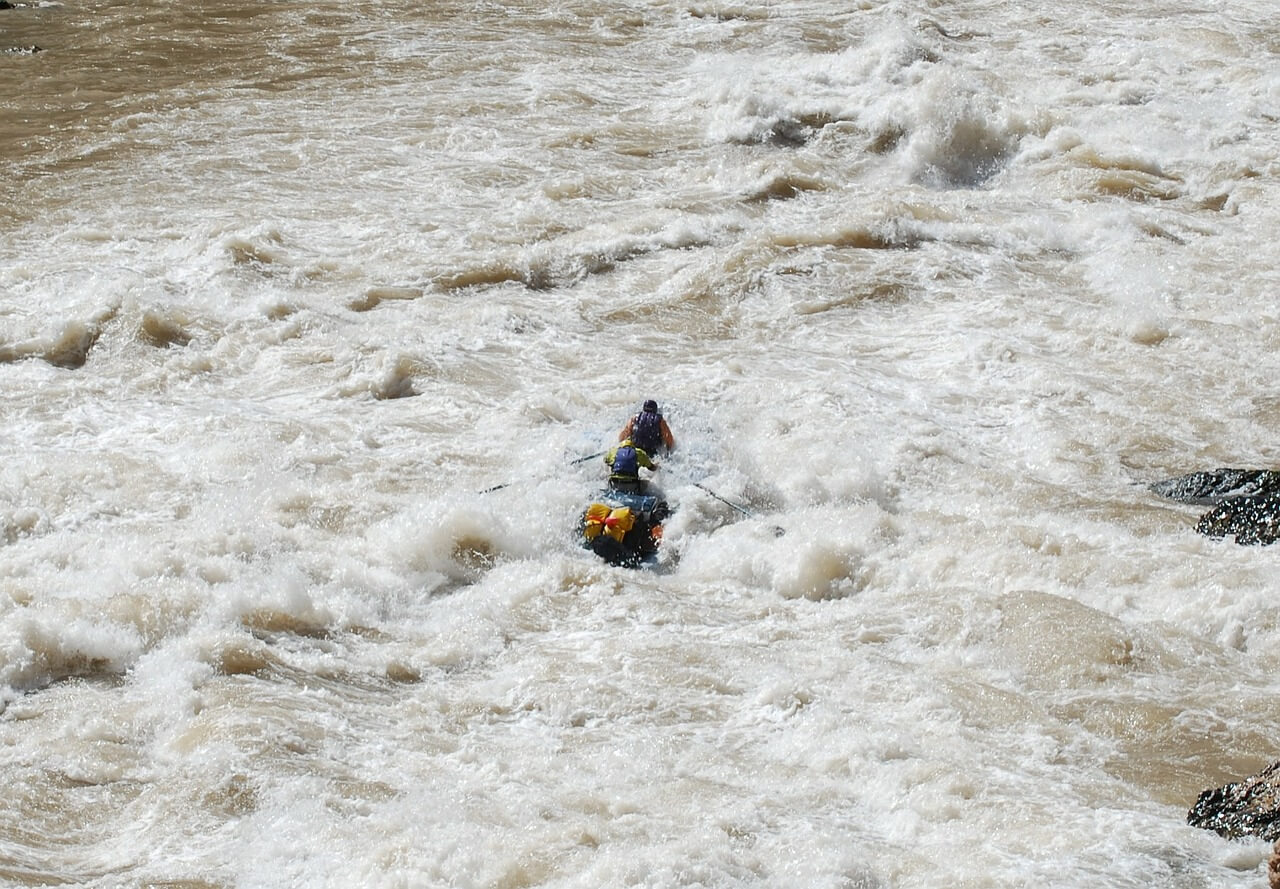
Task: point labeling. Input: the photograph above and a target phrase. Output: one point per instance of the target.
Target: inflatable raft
(623, 528)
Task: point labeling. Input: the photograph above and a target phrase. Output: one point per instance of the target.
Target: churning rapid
(312, 313)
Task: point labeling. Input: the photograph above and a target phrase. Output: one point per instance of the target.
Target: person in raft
(648, 430)
(624, 462)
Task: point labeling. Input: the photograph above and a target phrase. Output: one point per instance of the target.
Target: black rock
(1248, 808)
(1251, 520)
(1246, 502)
(1214, 486)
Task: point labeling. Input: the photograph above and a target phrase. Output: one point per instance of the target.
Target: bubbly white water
(932, 289)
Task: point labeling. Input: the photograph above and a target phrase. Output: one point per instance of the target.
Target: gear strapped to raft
(623, 529)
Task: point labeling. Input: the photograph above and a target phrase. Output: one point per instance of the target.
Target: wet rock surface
(1248, 808)
(1216, 485)
(1246, 502)
(1250, 520)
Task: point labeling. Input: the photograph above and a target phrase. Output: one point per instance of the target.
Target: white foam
(309, 358)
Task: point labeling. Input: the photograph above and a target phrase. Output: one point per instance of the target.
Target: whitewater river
(929, 293)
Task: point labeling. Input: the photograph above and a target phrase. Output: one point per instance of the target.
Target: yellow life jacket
(603, 519)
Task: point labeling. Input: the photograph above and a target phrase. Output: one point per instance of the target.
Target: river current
(314, 317)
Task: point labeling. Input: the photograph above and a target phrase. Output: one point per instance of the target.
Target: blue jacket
(625, 461)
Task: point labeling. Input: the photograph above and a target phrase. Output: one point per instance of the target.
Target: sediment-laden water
(929, 294)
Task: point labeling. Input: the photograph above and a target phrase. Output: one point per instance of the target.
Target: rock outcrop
(1248, 808)
(1251, 520)
(1246, 502)
(1217, 485)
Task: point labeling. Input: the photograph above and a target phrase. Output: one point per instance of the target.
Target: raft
(622, 528)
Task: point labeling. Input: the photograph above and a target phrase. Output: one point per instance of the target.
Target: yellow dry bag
(602, 519)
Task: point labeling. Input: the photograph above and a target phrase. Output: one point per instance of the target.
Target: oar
(778, 531)
(742, 509)
(571, 463)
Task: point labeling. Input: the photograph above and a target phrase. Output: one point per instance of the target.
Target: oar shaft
(740, 509)
(571, 463)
